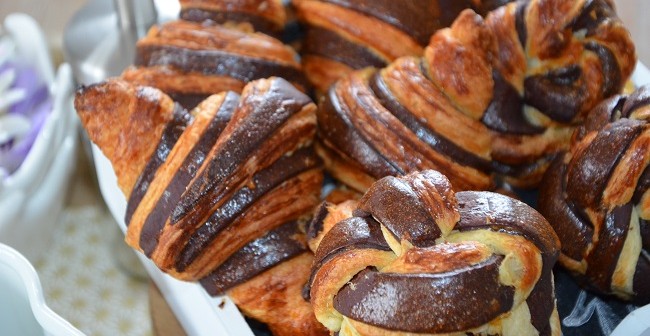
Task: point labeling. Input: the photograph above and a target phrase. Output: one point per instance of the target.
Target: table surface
(85, 201)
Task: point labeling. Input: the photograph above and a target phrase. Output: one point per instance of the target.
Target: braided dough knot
(416, 257)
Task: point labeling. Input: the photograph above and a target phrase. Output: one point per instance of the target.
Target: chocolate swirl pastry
(343, 35)
(266, 16)
(190, 61)
(492, 100)
(597, 198)
(416, 257)
(219, 195)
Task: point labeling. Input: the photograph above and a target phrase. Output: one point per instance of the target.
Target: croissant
(343, 35)
(596, 198)
(220, 195)
(266, 16)
(414, 257)
(190, 61)
(491, 101)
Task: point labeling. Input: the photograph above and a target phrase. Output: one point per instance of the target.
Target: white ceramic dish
(195, 309)
(32, 197)
(22, 308)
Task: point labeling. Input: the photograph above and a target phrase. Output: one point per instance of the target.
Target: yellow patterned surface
(82, 279)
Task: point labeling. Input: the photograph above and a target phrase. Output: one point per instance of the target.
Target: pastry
(190, 61)
(414, 257)
(596, 197)
(220, 195)
(491, 101)
(343, 35)
(266, 16)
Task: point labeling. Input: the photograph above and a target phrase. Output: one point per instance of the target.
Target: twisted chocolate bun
(266, 16)
(343, 35)
(220, 194)
(597, 199)
(190, 61)
(418, 258)
(490, 101)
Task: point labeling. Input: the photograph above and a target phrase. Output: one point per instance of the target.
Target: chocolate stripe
(567, 223)
(520, 22)
(417, 18)
(434, 140)
(335, 126)
(593, 14)
(216, 62)
(645, 234)
(589, 173)
(558, 94)
(259, 23)
(609, 65)
(349, 234)
(264, 181)
(394, 204)
(427, 303)
(603, 260)
(541, 302)
(490, 211)
(641, 285)
(265, 112)
(642, 185)
(169, 137)
(326, 43)
(160, 213)
(504, 114)
(188, 100)
(640, 98)
(317, 223)
(278, 245)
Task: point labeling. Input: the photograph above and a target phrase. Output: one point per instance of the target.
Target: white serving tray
(198, 313)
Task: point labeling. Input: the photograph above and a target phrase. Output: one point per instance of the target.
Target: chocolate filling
(603, 260)
(326, 43)
(641, 285)
(257, 256)
(160, 213)
(482, 210)
(505, 112)
(642, 185)
(520, 22)
(541, 301)
(315, 227)
(170, 135)
(559, 94)
(640, 98)
(589, 173)
(602, 115)
(394, 204)
(268, 111)
(427, 303)
(335, 126)
(260, 23)
(349, 234)
(418, 18)
(188, 100)
(575, 231)
(610, 68)
(594, 13)
(434, 140)
(216, 62)
(264, 181)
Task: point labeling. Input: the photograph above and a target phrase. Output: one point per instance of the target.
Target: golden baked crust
(267, 16)
(190, 61)
(414, 257)
(491, 101)
(344, 35)
(220, 194)
(596, 197)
